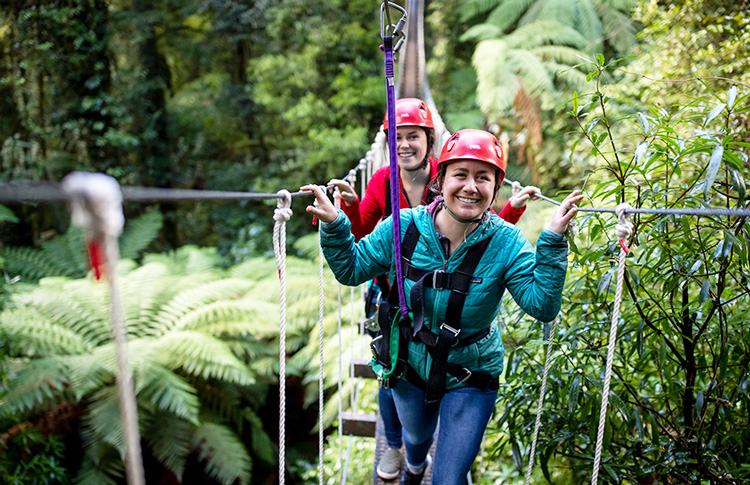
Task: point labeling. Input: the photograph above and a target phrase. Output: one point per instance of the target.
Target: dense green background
(637, 101)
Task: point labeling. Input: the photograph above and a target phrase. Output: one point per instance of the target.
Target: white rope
(543, 390)
(321, 383)
(282, 214)
(623, 230)
(96, 205)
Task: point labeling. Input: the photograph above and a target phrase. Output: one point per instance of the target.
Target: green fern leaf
(224, 455)
(203, 356)
(508, 13)
(139, 233)
(168, 438)
(168, 392)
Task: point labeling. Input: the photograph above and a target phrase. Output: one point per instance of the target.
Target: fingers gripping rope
(282, 214)
(624, 227)
(96, 204)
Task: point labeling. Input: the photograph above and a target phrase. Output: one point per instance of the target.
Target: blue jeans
(391, 423)
(463, 413)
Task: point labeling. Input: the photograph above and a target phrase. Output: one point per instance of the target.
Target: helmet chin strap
(464, 220)
(420, 168)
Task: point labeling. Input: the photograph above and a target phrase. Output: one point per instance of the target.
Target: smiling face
(411, 143)
(468, 188)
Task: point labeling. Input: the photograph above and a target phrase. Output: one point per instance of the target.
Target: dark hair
(435, 186)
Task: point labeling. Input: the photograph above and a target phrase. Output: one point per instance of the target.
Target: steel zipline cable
(49, 192)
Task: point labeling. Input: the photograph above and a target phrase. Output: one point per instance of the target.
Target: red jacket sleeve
(511, 214)
(364, 215)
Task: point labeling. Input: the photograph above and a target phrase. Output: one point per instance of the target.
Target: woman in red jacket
(415, 138)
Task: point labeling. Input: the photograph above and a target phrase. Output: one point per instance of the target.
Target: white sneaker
(390, 464)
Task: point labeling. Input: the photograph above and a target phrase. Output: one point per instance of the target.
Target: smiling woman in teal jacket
(459, 260)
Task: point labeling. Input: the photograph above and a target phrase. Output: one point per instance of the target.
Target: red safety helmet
(474, 145)
(411, 112)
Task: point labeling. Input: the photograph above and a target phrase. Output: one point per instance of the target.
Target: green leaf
(731, 96)
(517, 458)
(575, 388)
(714, 113)
(640, 151)
(644, 123)
(698, 405)
(738, 184)
(705, 287)
(713, 168)
(6, 215)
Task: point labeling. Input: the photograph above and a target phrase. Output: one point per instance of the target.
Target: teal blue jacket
(534, 278)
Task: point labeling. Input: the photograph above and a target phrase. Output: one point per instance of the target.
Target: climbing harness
(96, 205)
(390, 350)
(281, 215)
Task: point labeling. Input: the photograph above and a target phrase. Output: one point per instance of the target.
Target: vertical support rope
(623, 230)
(97, 208)
(337, 204)
(282, 214)
(321, 382)
(540, 403)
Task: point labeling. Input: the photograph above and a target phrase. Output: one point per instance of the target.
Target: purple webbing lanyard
(395, 183)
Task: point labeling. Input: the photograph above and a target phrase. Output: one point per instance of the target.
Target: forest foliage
(638, 101)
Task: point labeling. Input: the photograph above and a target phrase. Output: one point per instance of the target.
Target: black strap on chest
(439, 346)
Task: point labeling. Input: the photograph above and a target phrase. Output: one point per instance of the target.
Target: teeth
(467, 201)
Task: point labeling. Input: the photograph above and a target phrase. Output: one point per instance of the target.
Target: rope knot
(624, 228)
(283, 210)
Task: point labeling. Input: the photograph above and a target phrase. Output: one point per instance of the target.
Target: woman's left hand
(527, 193)
(565, 213)
(325, 210)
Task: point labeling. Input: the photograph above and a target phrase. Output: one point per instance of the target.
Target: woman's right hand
(348, 195)
(325, 210)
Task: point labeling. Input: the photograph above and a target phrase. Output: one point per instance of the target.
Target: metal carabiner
(397, 29)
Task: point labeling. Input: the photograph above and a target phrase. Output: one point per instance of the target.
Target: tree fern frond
(624, 6)
(69, 253)
(535, 78)
(204, 356)
(40, 336)
(80, 305)
(260, 442)
(562, 55)
(188, 260)
(168, 438)
(39, 384)
(167, 392)
(545, 32)
(257, 316)
(253, 267)
(191, 299)
(30, 264)
(308, 246)
(90, 372)
(496, 86)
(101, 465)
(508, 13)
(139, 233)
(481, 32)
(224, 455)
(103, 422)
(467, 9)
(589, 24)
(620, 29)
